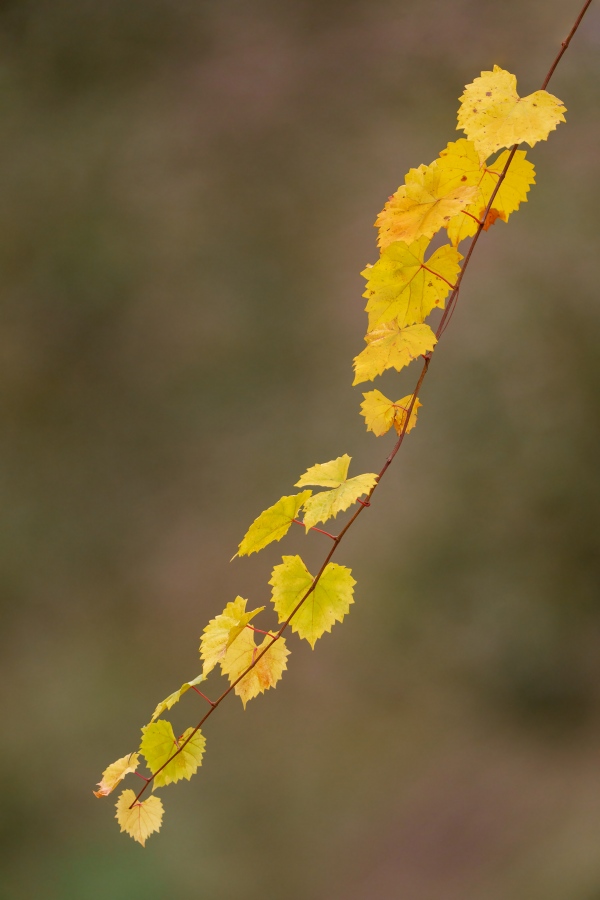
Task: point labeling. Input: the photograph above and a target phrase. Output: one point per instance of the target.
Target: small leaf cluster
(403, 288)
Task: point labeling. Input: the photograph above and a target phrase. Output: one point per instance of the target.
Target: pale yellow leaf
(327, 604)
(142, 819)
(329, 474)
(380, 413)
(267, 671)
(115, 773)
(392, 347)
(158, 746)
(425, 203)
(272, 524)
(402, 287)
(494, 116)
(222, 631)
(176, 696)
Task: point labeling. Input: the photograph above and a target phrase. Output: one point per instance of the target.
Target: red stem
(365, 503)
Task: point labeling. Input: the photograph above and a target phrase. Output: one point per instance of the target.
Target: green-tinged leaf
(345, 491)
(328, 603)
(329, 474)
(176, 696)
(142, 819)
(392, 347)
(115, 773)
(267, 671)
(272, 524)
(159, 744)
(327, 504)
(222, 631)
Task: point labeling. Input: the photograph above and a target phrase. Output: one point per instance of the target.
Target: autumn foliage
(461, 193)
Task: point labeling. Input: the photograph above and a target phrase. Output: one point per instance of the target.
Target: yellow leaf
(513, 191)
(493, 115)
(424, 204)
(115, 773)
(327, 604)
(222, 631)
(272, 524)
(392, 347)
(267, 671)
(159, 744)
(329, 474)
(345, 491)
(140, 821)
(176, 696)
(402, 287)
(380, 413)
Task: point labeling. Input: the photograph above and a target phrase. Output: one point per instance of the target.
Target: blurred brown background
(187, 196)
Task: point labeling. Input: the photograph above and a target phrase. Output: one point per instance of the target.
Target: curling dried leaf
(158, 746)
(380, 413)
(176, 696)
(272, 524)
(401, 287)
(222, 631)
(392, 347)
(494, 116)
(142, 819)
(327, 604)
(115, 773)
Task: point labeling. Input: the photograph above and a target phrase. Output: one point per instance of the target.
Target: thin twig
(364, 504)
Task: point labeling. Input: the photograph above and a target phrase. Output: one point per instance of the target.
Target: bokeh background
(187, 196)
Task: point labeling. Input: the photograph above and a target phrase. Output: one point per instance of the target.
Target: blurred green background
(187, 196)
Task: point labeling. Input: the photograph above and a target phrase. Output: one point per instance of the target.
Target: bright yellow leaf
(115, 773)
(222, 631)
(402, 287)
(327, 604)
(344, 491)
(494, 116)
(425, 203)
(159, 744)
(272, 524)
(392, 347)
(267, 671)
(176, 696)
(380, 413)
(144, 817)
(513, 191)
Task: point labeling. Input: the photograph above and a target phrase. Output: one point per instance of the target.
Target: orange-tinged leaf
(425, 203)
(494, 116)
(512, 192)
(115, 773)
(402, 287)
(142, 819)
(327, 604)
(158, 746)
(272, 524)
(221, 632)
(267, 671)
(380, 413)
(392, 347)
